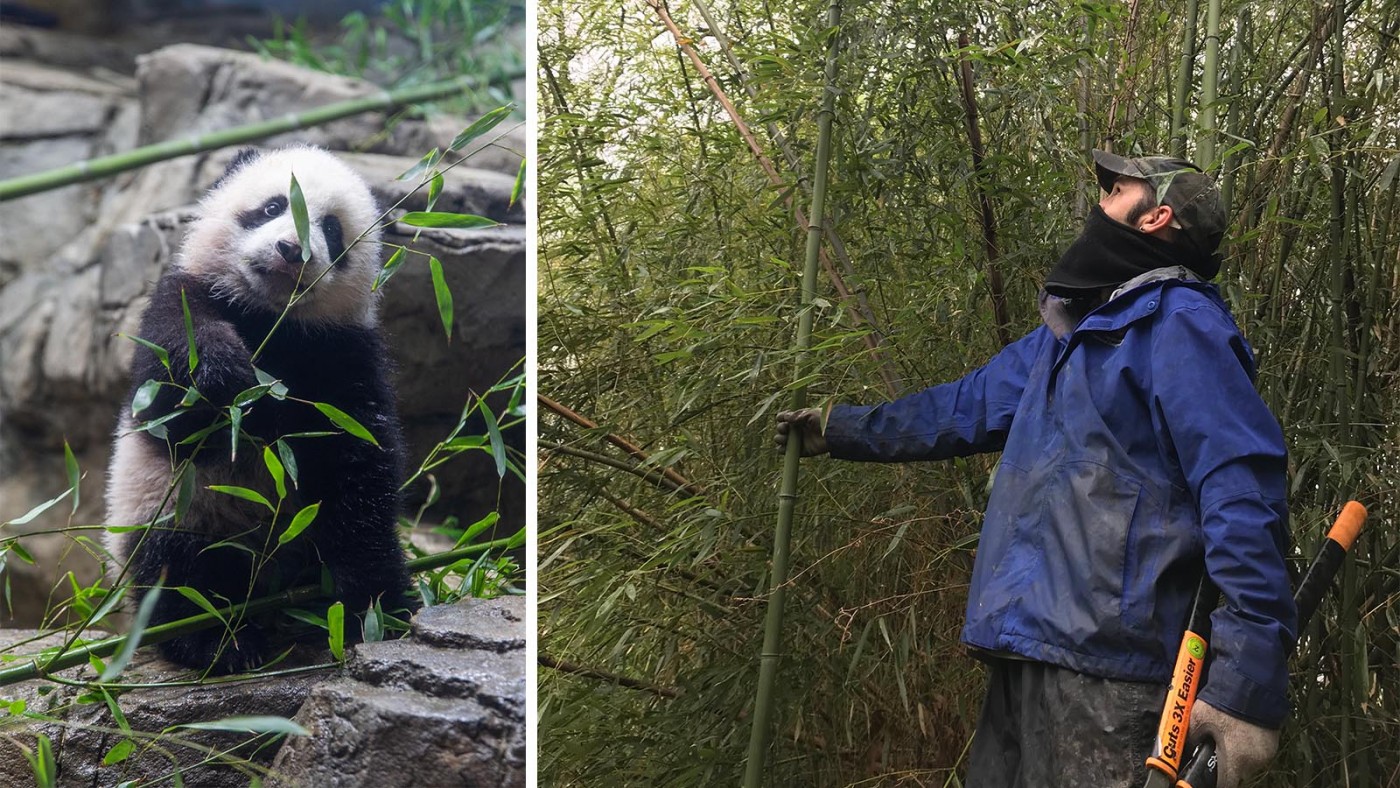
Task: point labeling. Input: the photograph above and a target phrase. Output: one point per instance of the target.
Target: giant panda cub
(240, 264)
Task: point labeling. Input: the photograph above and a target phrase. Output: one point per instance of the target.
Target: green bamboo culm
(1210, 81)
(1185, 70)
(107, 166)
(787, 496)
(36, 668)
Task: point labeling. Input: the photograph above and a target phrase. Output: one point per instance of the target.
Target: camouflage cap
(1192, 195)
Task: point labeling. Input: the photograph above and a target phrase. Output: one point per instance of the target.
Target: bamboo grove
(671, 246)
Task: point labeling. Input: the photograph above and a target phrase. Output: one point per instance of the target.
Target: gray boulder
(443, 707)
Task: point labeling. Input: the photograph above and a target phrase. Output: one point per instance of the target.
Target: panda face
(245, 240)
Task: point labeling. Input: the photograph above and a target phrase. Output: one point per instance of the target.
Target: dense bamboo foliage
(669, 267)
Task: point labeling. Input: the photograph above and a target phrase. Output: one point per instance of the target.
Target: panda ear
(239, 159)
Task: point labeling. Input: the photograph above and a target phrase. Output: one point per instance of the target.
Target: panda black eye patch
(335, 239)
(263, 213)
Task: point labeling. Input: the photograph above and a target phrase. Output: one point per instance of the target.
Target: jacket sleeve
(967, 416)
(1232, 456)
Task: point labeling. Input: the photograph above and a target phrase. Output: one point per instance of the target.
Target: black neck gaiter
(1108, 253)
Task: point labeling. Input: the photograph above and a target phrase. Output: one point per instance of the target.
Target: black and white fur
(237, 269)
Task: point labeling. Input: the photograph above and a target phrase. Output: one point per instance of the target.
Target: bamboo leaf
(42, 763)
(184, 496)
(289, 460)
(276, 388)
(192, 352)
(498, 445)
(455, 221)
(116, 710)
(119, 752)
(482, 125)
(429, 161)
(374, 628)
(163, 356)
(476, 528)
(70, 464)
(250, 724)
(133, 635)
(235, 429)
(519, 186)
(443, 295)
(300, 217)
(335, 626)
(345, 421)
(390, 267)
(434, 190)
(38, 510)
(199, 599)
(299, 523)
(144, 396)
(242, 492)
(279, 474)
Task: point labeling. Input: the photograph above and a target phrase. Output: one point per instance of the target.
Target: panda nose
(291, 252)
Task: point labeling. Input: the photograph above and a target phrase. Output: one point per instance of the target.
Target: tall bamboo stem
(1184, 71)
(106, 166)
(787, 496)
(984, 202)
(1228, 167)
(1210, 81)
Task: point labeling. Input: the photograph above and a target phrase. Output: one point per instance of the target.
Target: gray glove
(809, 424)
(1242, 749)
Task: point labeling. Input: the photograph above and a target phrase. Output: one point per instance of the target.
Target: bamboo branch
(654, 476)
(107, 166)
(984, 203)
(787, 495)
(571, 668)
(622, 443)
(630, 510)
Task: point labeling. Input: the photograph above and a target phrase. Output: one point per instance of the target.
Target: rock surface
(443, 707)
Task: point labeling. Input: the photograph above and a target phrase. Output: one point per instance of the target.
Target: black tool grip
(1200, 767)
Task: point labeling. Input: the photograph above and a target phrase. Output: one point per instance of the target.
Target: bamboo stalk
(787, 496)
(106, 166)
(33, 668)
(1210, 82)
(984, 202)
(1086, 138)
(1229, 166)
(1184, 71)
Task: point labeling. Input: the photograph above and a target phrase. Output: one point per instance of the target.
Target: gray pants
(1044, 726)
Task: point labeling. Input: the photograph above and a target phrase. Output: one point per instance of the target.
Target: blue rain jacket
(1133, 448)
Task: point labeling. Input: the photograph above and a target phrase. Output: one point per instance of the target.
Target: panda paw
(218, 652)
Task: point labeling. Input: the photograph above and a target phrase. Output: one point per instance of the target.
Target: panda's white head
(244, 241)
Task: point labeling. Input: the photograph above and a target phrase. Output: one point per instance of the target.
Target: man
(1136, 454)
